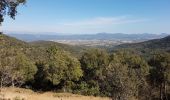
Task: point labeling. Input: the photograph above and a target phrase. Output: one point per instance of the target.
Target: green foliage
(43, 45)
(9, 7)
(63, 65)
(91, 88)
(16, 68)
(123, 74)
(92, 63)
(25, 67)
(60, 67)
(119, 85)
(136, 64)
(160, 72)
(160, 63)
(147, 47)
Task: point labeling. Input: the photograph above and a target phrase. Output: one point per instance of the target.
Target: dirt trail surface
(25, 94)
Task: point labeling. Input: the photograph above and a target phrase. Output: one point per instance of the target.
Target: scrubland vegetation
(120, 74)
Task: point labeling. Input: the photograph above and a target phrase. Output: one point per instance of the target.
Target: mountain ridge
(98, 36)
(158, 44)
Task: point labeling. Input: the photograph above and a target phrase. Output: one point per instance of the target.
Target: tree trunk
(1, 84)
(161, 96)
(165, 93)
(13, 85)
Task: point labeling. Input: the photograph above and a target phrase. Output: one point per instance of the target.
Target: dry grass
(25, 94)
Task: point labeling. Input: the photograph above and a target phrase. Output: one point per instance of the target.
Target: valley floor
(26, 94)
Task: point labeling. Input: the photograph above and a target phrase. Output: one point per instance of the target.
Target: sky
(91, 16)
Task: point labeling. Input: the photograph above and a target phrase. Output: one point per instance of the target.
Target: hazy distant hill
(33, 48)
(99, 36)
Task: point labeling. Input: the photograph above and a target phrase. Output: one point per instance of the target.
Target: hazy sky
(92, 16)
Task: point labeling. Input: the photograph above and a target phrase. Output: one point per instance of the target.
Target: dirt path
(24, 94)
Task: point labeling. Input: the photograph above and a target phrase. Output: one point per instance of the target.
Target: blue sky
(91, 16)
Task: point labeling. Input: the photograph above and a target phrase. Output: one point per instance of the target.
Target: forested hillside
(159, 44)
(75, 50)
(123, 74)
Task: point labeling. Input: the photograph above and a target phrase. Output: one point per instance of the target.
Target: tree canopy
(160, 72)
(59, 68)
(9, 7)
(124, 74)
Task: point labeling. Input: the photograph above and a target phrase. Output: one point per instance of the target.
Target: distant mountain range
(40, 46)
(99, 36)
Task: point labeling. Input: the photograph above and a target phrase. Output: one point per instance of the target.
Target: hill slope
(7, 41)
(156, 44)
(75, 50)
(35, 48)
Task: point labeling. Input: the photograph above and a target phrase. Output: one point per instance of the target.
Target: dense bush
(122, 74)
